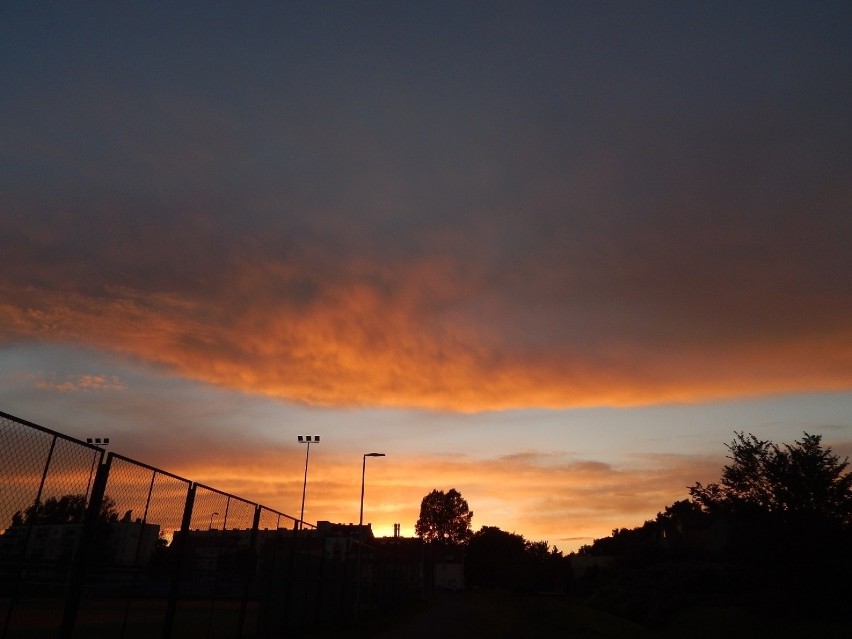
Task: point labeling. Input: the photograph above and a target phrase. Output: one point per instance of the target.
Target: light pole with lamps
(210, 525)
(306, 439)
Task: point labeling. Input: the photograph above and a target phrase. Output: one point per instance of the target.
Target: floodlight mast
(306, 439)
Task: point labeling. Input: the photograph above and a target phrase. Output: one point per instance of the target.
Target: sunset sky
(550, 254)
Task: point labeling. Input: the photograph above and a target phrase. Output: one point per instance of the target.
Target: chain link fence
(45, 488)
(99, 545)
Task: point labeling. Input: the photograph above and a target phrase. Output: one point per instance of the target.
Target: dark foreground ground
(496, 614)
(491, 614)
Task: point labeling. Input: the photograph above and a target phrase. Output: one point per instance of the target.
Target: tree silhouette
(68, 509)
(444, 517)
(796, 480)
(775, 530)
(495, 558)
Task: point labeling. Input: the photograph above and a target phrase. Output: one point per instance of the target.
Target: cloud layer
(465, 210)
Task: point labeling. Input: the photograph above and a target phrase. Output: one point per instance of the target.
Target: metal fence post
(180, 558)
(251, 567)
(320, 575)
(216, 572)
(135, 566)
(84, 552)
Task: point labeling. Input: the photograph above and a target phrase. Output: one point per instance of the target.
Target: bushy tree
(494, 558)
(444, 517)
(625, 541)
(802, 479)
(499, 559)
(790, 511)
(775, 528)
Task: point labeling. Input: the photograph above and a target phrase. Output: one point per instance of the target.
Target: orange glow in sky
(355, 347)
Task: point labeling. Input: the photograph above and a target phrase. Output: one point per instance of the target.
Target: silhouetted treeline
(494, 558)
(775, 534)
(499, 559)
(68, 509)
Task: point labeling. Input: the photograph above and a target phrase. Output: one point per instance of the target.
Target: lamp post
(363, 474)
(361, 534)
(210, 525)
(306, 439)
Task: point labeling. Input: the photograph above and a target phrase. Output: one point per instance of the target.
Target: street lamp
(361, 533)
(306, 439)
(210, 525)
(363, 473)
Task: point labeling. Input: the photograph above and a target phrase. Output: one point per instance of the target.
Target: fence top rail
(154, 469)
(225, 494)
(49, 431)
(280, 514)
(256, 505)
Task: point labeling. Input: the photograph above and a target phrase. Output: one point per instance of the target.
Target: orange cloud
(417, 337)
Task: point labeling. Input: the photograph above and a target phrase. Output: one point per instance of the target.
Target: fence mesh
(44, 492)
(95, 545)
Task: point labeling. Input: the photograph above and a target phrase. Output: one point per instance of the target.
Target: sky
(550, 254)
